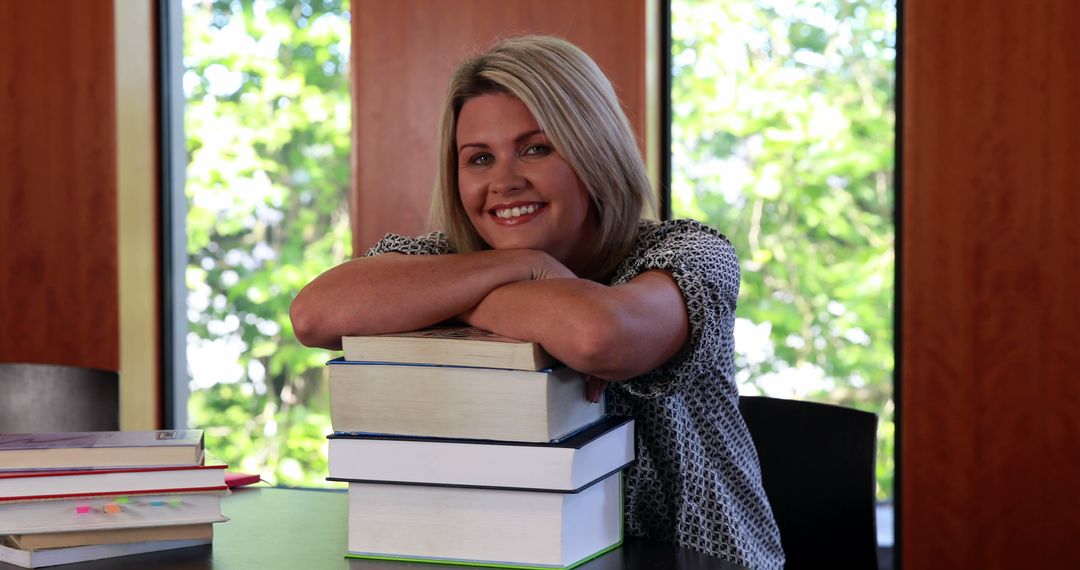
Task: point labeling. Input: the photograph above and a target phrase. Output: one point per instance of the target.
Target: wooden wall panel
(403, 54)
(58, 282)
(991, 289)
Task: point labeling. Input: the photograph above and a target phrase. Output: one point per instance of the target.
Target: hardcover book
(110, 512)
(567, 466)
(39, 485)
(459, 402)
(57, 556)
(79, 450)
(484, 527)
(448, 346)
(110, 536)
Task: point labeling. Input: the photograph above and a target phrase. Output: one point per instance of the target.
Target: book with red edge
(62, 484)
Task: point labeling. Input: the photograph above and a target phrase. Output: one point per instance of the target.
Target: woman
(539, 192)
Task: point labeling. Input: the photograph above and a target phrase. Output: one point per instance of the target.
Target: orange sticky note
(112, 508)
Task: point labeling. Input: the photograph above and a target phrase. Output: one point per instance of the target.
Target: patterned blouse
(696, 481)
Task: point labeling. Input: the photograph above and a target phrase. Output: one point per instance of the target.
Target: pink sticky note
(82, 509)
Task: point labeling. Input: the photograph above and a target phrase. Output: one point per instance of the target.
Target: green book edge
(593, 556)
(485, 564)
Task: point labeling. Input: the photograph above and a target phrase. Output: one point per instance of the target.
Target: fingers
(594, 388)
(547, 267)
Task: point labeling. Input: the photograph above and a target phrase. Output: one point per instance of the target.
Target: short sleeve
(706, 269)
(434, 243)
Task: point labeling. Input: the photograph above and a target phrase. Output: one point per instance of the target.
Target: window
(783, 137)
(267, 119)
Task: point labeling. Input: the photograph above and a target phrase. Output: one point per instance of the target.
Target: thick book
(95, 449)
(448, 346)
(110, 512)
(57, 556)
(31, 485)
(484, 527)
(567, 466)
(110, 536)
(459, 402)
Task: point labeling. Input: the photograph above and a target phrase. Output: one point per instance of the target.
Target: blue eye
(538, 149)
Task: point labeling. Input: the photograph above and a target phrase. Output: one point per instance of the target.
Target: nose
(506, 177)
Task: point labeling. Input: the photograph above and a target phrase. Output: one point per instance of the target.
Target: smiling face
(516, 189)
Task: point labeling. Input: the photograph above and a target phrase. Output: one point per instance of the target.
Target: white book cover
(111, 512)
(459, 402)
(566, 466)
(501, 528)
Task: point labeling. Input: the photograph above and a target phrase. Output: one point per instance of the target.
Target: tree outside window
(268, 123)
(783, 136)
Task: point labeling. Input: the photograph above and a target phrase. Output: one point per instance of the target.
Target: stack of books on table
(463, 447)
(73, 497)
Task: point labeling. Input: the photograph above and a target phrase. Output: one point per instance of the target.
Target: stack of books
(464, 447)
(73, 497)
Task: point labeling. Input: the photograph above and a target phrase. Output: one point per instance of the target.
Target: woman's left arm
(611, 332)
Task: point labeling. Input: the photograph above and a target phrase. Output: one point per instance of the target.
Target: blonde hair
(576, 107)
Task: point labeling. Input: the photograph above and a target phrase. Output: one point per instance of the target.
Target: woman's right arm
(394, 292)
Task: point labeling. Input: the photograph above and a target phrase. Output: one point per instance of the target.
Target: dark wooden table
(293, 529)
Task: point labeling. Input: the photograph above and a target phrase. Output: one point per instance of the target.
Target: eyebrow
(517, 140)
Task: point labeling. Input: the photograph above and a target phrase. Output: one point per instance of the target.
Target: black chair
(49, 397)
(817, 467)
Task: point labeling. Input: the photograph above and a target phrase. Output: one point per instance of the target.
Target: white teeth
(516, 211)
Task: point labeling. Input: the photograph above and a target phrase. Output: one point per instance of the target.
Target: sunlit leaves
(267, 121)
(783, 139)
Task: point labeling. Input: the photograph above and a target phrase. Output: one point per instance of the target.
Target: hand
(594, 388)
(537, 264)
(544, 266)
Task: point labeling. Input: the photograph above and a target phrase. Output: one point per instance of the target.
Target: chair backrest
(817, 467)
(49, 397)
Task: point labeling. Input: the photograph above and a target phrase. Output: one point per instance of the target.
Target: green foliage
(267, 121)
(783, 138)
